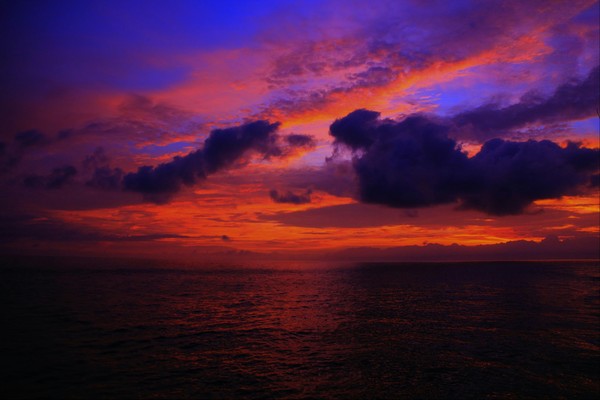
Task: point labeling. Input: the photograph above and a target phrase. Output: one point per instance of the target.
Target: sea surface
(124, 329)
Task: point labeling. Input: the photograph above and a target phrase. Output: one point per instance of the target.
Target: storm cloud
(414, 163)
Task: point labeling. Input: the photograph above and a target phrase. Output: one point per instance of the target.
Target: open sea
(124, 329)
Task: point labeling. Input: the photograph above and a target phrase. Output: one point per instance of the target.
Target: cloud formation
(29, 138)
(414, 163)
(55, 180)
(572, 100)
(400, 44)
(38, 227)
(495, 69)
(224, 148)
(103, 176)
(299, 140)
(290, 197)
(511, 175)
(12, 152)
(550, 248)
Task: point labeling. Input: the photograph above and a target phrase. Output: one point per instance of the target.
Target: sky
(300, 129)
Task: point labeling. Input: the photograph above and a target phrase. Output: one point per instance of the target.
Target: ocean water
(455, 330)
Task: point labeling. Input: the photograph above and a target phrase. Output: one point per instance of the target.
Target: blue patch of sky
(483, 85)
(454, 98)
(586, 126)
(130, 44)
(175, 147)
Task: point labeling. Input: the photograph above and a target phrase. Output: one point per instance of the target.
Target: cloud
(354, 215)
(414, 163)
(25, 142)
(572, 100)
(357, 129)
(298, 140)
(95, 160)
(55, 180)
(29, 138)
(551, 248)
(511, 175)
(36, 227)
(106, 178)
(223, 149)
(103, 176)
(398, 47)
(159, 183)
(138, 120)
(12, 152)
(290, 197)
(374, 77)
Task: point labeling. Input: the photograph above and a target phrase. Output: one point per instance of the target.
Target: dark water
(478, 330)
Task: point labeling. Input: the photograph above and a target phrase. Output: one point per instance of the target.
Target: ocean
(123, 329)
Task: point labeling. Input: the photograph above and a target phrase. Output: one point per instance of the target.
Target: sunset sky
(215, 129)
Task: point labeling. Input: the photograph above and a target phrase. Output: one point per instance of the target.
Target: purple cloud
(414, 163)
(222, 149)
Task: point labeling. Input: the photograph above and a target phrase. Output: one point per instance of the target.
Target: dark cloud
(96, 160)
(362, 215)
(225, 238)
(335, 177)
(55, 180)
(571, 101)
(11, 153)
(103, 176)
(414, 163)
(29, 138)
(359, 129)
(512, 175)
(43, 228)
(298, 140)
(65, 134)
(290, 197)
(26, 142)
(224, 148)
(551, 248)
(60, 176)
(106, 178)
(159, 183)
(354, 215)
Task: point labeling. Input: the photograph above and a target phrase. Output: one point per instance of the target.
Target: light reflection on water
(369, 330)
